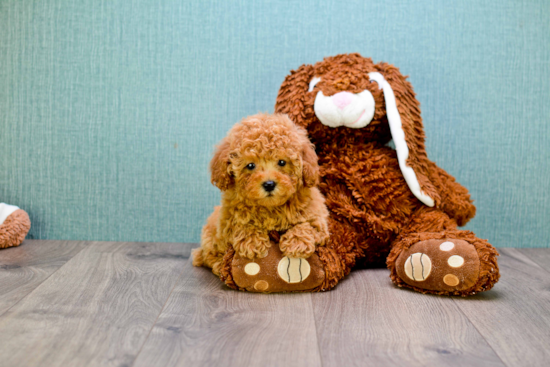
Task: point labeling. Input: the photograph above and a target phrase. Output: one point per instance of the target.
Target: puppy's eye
(282, 163)
(250, 166)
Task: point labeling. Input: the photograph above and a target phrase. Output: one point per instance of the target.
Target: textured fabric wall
(109, 110)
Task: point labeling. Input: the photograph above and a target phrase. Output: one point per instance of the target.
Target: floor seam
(45, 279)
(530, 258)
(479, 332)
(316, 329)
(160, 312)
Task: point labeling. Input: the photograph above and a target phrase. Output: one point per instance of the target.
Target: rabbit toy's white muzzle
(345, 109)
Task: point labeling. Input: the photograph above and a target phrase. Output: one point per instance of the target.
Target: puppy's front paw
(252, 245)
(297, 246)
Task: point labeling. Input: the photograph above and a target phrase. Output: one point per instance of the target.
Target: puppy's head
(264, 160)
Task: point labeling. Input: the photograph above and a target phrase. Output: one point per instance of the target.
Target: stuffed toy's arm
(455, 198)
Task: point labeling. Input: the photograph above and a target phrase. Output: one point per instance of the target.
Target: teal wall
(109, 110)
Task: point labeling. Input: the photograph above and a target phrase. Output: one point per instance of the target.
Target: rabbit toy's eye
(282, 163)
(250, 166)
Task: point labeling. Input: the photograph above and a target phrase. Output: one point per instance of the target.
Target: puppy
(267, 171)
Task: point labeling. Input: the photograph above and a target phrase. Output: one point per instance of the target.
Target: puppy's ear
(219, 166)
(310, 170)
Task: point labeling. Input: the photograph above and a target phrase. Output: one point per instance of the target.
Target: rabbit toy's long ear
(403, 113)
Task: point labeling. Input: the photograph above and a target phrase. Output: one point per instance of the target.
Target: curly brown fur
(371, 205)
(14, 229)
(259, 149)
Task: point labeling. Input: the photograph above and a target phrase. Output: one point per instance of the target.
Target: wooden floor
(66, 303)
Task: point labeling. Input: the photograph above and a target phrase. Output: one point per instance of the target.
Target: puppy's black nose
(269, 186)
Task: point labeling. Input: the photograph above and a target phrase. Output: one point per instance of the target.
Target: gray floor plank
(368, 321)
(25, 267)
(514, 317)
(96, 310)
(206, 324)
(541, 256)
(99, 303)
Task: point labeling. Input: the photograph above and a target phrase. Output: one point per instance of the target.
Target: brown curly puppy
(385, 203)
(267, 170)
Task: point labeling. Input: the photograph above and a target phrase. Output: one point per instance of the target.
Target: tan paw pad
(418, 267)
(455, 261)
(252, 269)
(447, 246)
(293, 269)
(261, 285)
(451, 280)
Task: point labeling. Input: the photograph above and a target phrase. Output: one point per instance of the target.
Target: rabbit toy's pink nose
(342, 99)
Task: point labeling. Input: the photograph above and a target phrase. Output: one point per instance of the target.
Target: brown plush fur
(248, 212)
(14, 229)
(372, 210)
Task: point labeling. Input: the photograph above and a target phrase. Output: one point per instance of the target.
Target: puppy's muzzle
(269, 186)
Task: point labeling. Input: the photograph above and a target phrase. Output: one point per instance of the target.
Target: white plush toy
(14, 225)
